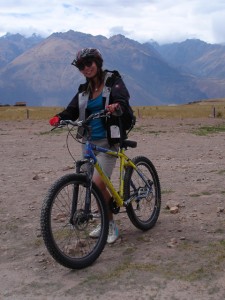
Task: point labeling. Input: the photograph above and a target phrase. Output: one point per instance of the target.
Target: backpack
(129, 119)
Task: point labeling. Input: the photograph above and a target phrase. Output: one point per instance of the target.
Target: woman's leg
(101, 185)
(108, 163)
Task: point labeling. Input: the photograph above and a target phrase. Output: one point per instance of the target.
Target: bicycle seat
(128, 143)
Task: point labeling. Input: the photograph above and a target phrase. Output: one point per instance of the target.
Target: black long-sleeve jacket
(114, 91)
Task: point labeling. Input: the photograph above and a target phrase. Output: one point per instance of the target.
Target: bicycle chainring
(113, 207)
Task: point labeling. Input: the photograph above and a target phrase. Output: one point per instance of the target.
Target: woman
(102, 89)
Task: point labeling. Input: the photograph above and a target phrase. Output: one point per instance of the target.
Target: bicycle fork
(83, 216)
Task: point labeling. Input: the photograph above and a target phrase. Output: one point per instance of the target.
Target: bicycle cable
(69, 133)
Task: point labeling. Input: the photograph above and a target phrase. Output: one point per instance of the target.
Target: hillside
(43, 75)
(196, 57)
(12, 46)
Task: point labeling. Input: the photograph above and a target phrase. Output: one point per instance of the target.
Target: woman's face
(90, 69)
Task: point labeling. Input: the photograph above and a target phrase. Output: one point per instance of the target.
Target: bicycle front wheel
(142, 188)
(66, 226)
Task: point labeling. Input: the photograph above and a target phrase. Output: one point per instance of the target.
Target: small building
(20, 103)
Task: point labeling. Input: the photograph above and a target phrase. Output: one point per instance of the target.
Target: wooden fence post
(28, 114)
(214, 112)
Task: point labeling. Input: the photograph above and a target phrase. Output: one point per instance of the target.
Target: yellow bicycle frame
(125, 161)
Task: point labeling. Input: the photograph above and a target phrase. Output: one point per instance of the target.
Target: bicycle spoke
(66, 238)
(142, 191)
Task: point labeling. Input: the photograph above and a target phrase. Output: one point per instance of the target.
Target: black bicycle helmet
(87, 53)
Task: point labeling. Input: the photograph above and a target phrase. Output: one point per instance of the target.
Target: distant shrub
(219, 114)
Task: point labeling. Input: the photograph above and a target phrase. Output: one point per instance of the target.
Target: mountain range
(38, 70)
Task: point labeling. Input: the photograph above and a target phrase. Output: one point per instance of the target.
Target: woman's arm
(72, 110)
(119, 93)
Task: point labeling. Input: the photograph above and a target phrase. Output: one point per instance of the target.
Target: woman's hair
(86, 53)
(100, 78)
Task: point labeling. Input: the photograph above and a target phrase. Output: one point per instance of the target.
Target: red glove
(54, 121)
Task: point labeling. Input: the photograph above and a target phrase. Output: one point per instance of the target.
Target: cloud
(143, 20)
(118, 30)
(218, 25)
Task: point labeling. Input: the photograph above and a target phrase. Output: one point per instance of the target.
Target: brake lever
(58, 126)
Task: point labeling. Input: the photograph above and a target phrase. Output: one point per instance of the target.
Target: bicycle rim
(69, 242)
(144, 209)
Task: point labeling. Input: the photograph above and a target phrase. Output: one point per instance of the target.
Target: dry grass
(203, 109)
(23, 113)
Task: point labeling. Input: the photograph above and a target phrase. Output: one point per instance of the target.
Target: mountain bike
(74, 205)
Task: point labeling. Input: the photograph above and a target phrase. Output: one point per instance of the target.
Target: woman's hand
(115, 107)
(54, 121)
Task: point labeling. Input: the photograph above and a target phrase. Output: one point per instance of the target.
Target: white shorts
(106, 161)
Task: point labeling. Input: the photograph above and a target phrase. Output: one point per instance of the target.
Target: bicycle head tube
(88, 152)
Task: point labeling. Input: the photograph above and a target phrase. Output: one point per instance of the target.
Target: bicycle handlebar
(83, 123)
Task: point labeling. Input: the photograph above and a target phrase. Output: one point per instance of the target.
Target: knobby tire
(70, 244)
(143, 213)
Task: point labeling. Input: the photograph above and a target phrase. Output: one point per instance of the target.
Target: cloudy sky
(143, 20)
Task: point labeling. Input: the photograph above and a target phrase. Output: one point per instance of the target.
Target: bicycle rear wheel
(66, 234)
(143, 188)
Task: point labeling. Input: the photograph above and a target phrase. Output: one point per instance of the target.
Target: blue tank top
(97, 127)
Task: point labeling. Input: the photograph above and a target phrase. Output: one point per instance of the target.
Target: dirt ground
(182, 257)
